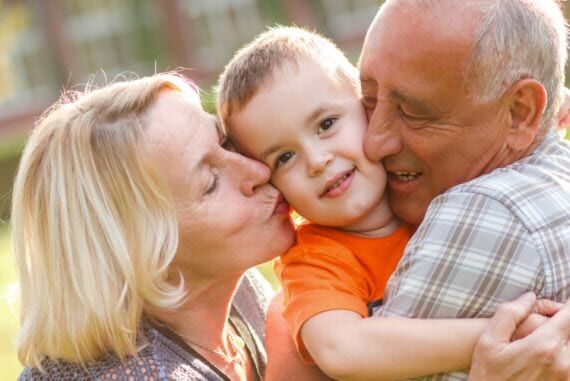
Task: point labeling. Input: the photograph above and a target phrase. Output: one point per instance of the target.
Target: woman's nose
(250, 173)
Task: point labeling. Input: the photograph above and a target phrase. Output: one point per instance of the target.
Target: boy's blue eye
(326, 124)
(283, 158)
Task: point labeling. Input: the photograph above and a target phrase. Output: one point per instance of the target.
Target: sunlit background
(47, 46)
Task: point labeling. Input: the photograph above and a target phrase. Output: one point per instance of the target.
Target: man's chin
(407, 210)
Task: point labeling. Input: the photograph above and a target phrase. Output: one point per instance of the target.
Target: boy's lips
(338, 184)
(281, 206)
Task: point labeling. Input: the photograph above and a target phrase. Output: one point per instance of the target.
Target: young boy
(291, 99)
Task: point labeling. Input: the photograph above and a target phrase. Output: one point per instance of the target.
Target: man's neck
(508, 156)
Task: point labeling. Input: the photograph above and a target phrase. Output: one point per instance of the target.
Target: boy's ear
(526, 106)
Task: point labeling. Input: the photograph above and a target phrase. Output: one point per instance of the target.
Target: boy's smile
(338, 184)
(308, 126)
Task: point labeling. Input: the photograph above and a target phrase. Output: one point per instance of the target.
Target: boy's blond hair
(93, 225)
(255, 64)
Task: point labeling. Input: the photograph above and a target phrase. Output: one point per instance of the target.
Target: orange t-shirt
(329, 269)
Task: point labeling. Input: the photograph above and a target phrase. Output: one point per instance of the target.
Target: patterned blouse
(163, 357)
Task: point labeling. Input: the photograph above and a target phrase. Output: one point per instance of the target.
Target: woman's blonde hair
(93, 225)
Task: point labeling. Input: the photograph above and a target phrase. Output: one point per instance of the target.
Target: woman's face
(229, 217)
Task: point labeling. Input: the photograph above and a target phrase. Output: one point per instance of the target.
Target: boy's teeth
(338, 182)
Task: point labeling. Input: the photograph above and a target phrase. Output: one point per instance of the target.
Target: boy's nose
(318, 161)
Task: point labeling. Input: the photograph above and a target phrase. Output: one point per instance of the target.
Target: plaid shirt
(488, 241)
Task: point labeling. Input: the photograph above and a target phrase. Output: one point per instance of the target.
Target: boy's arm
(346, 346)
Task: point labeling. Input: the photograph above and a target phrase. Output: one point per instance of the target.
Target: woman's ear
(526, 105)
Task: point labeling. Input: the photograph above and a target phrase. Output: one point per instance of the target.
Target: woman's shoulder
(253, 295)
(110, 367)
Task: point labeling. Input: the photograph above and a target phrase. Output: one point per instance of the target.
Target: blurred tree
(14, 18)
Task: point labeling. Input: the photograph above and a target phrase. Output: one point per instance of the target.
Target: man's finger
(559, 324)
(547, 307)
(509, 316)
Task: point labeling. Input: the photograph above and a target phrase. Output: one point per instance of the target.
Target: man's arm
(469, 255)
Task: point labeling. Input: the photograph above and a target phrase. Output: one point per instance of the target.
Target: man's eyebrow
(421, 105)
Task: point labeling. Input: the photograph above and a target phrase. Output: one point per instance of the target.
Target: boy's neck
(380, 222)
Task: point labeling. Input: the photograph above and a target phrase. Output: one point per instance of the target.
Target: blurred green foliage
(10, 367)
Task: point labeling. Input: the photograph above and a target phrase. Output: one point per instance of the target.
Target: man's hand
(542, 355)
(543, 310)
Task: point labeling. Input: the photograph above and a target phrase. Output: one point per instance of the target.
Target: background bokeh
(47, 46)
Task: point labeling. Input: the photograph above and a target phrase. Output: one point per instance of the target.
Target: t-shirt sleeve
(318, 278)
(469, 254)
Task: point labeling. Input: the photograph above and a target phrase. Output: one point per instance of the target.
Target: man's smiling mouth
(406, 176)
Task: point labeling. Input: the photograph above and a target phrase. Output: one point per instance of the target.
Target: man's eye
(326, 124)
(283, 158)
(408, 116)
(213, 185)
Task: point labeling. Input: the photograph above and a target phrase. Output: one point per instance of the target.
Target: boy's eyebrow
(308, 121)
(319, 110)
(269, 151)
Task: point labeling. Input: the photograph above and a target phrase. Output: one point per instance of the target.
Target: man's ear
(526, 105)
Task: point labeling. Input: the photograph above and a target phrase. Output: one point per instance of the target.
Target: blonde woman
(133, 228)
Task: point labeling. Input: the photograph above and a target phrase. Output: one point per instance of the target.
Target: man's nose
(382, 139)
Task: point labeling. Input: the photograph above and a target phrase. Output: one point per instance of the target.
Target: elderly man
(461, 99)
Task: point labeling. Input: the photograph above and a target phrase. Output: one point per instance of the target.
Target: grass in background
(267, 270)
(10, 368)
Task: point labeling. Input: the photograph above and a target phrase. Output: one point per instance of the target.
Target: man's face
(423, 123)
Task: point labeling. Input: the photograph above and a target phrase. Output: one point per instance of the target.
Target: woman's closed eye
(213, 184)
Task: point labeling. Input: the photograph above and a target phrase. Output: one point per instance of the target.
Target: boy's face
(308, 126)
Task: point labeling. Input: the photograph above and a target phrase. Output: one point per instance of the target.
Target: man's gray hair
(516, 39)
(520, 39)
